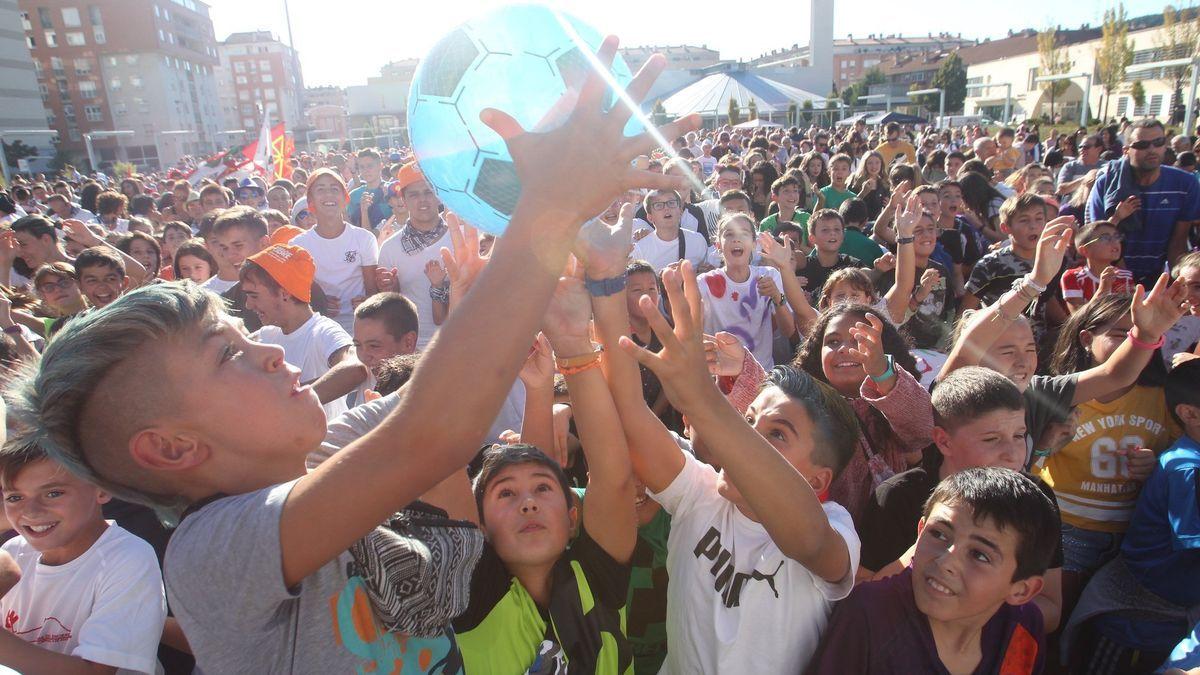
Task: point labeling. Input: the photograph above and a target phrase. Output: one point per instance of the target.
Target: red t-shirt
(1080, 283)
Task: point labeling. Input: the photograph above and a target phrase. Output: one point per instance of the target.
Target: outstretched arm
(475, 359)
(656, 459)
(988, 324)
(781, 257)
(610, 517)
(900, 293)
(1153, 315)
(776, 492)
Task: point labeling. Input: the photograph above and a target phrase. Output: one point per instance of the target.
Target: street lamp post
(886, 98)
(941, 100)
(1087, 91)
(87, 140)
(1007, 96)
(18, 132)
(1194, 63)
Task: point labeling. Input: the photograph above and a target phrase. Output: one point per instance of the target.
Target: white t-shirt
(414, 285)
(106, 606)
(738, 308)
(749, 608)
(309, 348)
(218, 285)
(661, 253)
(339, 265)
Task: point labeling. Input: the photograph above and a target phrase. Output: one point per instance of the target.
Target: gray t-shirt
(1072, 170)
(224, 579)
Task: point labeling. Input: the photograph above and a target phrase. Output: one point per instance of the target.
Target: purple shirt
(878, 629)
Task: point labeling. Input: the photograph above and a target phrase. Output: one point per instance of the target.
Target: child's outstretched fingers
(691, 293)
(595, 86)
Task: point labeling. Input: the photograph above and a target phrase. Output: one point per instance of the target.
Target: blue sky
(346, 41)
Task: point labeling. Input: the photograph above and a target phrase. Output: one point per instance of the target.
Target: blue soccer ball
(518, 59)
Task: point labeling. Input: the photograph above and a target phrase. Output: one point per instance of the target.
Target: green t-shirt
(646, 604)
(834, 198)
(859, 245)
(504, 631)
(771, 222)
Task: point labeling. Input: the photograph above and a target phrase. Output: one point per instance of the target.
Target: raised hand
(1155, 312)
(775, 254)
(1051, 249)
(907, 220)
(868, 349)
(1139, 462)
(1127, 207)
(1107, 277)
(386, 279)
(767, 288)
(79, 232)
(929, 279)
(642, 234)
(604, 249)
(332, 306)
(435, 273)
(464, 262)
(569, 316)
(538, 371)
(589, 149)
(886, 262)
(8, 248)
(724, 353)
(681, 365)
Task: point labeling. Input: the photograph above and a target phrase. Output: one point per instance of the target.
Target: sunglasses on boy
(1146, 145)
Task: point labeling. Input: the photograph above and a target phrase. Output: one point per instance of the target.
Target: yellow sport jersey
(1089, 476)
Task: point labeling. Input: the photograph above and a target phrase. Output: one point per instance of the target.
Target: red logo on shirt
(10, 620)
(716, 284)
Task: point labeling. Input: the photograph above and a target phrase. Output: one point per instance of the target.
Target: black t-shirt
(889, 523)
(816, 274)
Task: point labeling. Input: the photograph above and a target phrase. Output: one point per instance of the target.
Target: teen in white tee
(339, 264)
(309, 348)
(748, 607)
(106, 606)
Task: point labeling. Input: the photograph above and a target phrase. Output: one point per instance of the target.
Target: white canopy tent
(710, 96)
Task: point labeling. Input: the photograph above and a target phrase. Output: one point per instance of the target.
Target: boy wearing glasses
(1154, 205)
(669, 243)
(1099, 242)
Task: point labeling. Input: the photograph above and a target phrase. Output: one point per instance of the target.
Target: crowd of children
(779, 401)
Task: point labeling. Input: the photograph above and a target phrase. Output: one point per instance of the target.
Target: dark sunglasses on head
(1146, 145)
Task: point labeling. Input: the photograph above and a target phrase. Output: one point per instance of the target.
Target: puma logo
(726, 580)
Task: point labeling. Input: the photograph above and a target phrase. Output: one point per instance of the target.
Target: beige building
(1015, 61)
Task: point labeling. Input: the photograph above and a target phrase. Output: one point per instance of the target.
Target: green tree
(18, 150)
(874, 75)
(793, 114)
(1114, 54)
(951, 77)
(752, 110)
(1178, 39)
(735, 113)
(850, 95)
(1138, 92)
(1053, 60)
(807, 114)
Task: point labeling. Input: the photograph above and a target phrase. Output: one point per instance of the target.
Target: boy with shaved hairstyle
(159, 399)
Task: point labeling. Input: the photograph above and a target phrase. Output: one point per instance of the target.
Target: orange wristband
(582, 359)
(575, 370)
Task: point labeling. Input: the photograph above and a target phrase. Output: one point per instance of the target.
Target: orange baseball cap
(290, 266)
(285, 234)
(407, 175)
